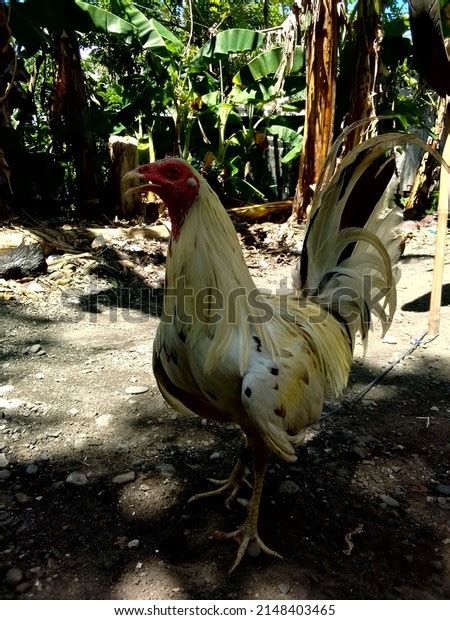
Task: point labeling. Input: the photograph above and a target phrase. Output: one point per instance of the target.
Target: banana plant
(152, 34)
(253, 89)
(231, 71)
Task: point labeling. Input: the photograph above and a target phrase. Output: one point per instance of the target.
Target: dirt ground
(368, 515)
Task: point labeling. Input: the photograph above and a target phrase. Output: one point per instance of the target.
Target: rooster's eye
(173, 172)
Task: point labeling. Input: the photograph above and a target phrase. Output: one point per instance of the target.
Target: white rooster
(265, 362)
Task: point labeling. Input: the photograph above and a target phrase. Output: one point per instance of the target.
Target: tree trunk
(71, 118)
(123, 153)
(7, 69)
(368, 37)
(418, 200)
(266, 13)
(321, 56)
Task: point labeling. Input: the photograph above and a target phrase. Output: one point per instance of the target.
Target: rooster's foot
(234, 484)
(248, 539)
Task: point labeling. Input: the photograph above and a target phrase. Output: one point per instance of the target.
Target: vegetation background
(223, 84)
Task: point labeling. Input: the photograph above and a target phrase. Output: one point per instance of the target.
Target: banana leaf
(233, 41)
(266, 64)
(152, 33)
(286, 134)
(32, 22)
(105, 20)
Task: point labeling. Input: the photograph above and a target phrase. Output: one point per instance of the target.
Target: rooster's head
(174, 181)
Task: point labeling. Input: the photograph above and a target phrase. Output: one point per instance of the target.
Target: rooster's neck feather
(207, 252)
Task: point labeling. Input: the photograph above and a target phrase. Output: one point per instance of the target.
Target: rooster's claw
(234, 484)
(248, 540)
(225, 485)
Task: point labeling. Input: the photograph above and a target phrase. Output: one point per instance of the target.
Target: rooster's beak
(138, 182)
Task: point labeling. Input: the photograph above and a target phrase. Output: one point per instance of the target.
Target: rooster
(228, 352)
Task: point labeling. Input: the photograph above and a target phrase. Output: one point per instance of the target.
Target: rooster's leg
(247, 534)
(233, 484)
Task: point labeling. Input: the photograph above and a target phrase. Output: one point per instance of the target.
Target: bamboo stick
(439, 256)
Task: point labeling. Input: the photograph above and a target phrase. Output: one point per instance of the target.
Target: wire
(357, 397)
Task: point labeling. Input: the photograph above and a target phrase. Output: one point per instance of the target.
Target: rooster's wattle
(225, 351)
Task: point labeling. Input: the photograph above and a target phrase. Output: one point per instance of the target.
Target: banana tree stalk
(151, 144)
(187, 136)
(222, 119)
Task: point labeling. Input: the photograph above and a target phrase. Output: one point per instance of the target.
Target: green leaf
(236, 96)
(243, 189)
(104, 20)
(234, 41)
(263, 91)
(158, 36)
(291, 138)
(234, 165)
(26, 30)
(403, 120)
(153, 34)
(32, 21)
(266, 64)
(293, 153)
(396, 27)
(211, 99)
(286, 134)
(243, 96)
(224, 110)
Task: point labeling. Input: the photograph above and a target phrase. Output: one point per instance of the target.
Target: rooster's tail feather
(351, 270)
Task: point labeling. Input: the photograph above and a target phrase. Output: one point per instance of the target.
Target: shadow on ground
(422, 303)
(72, 541)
